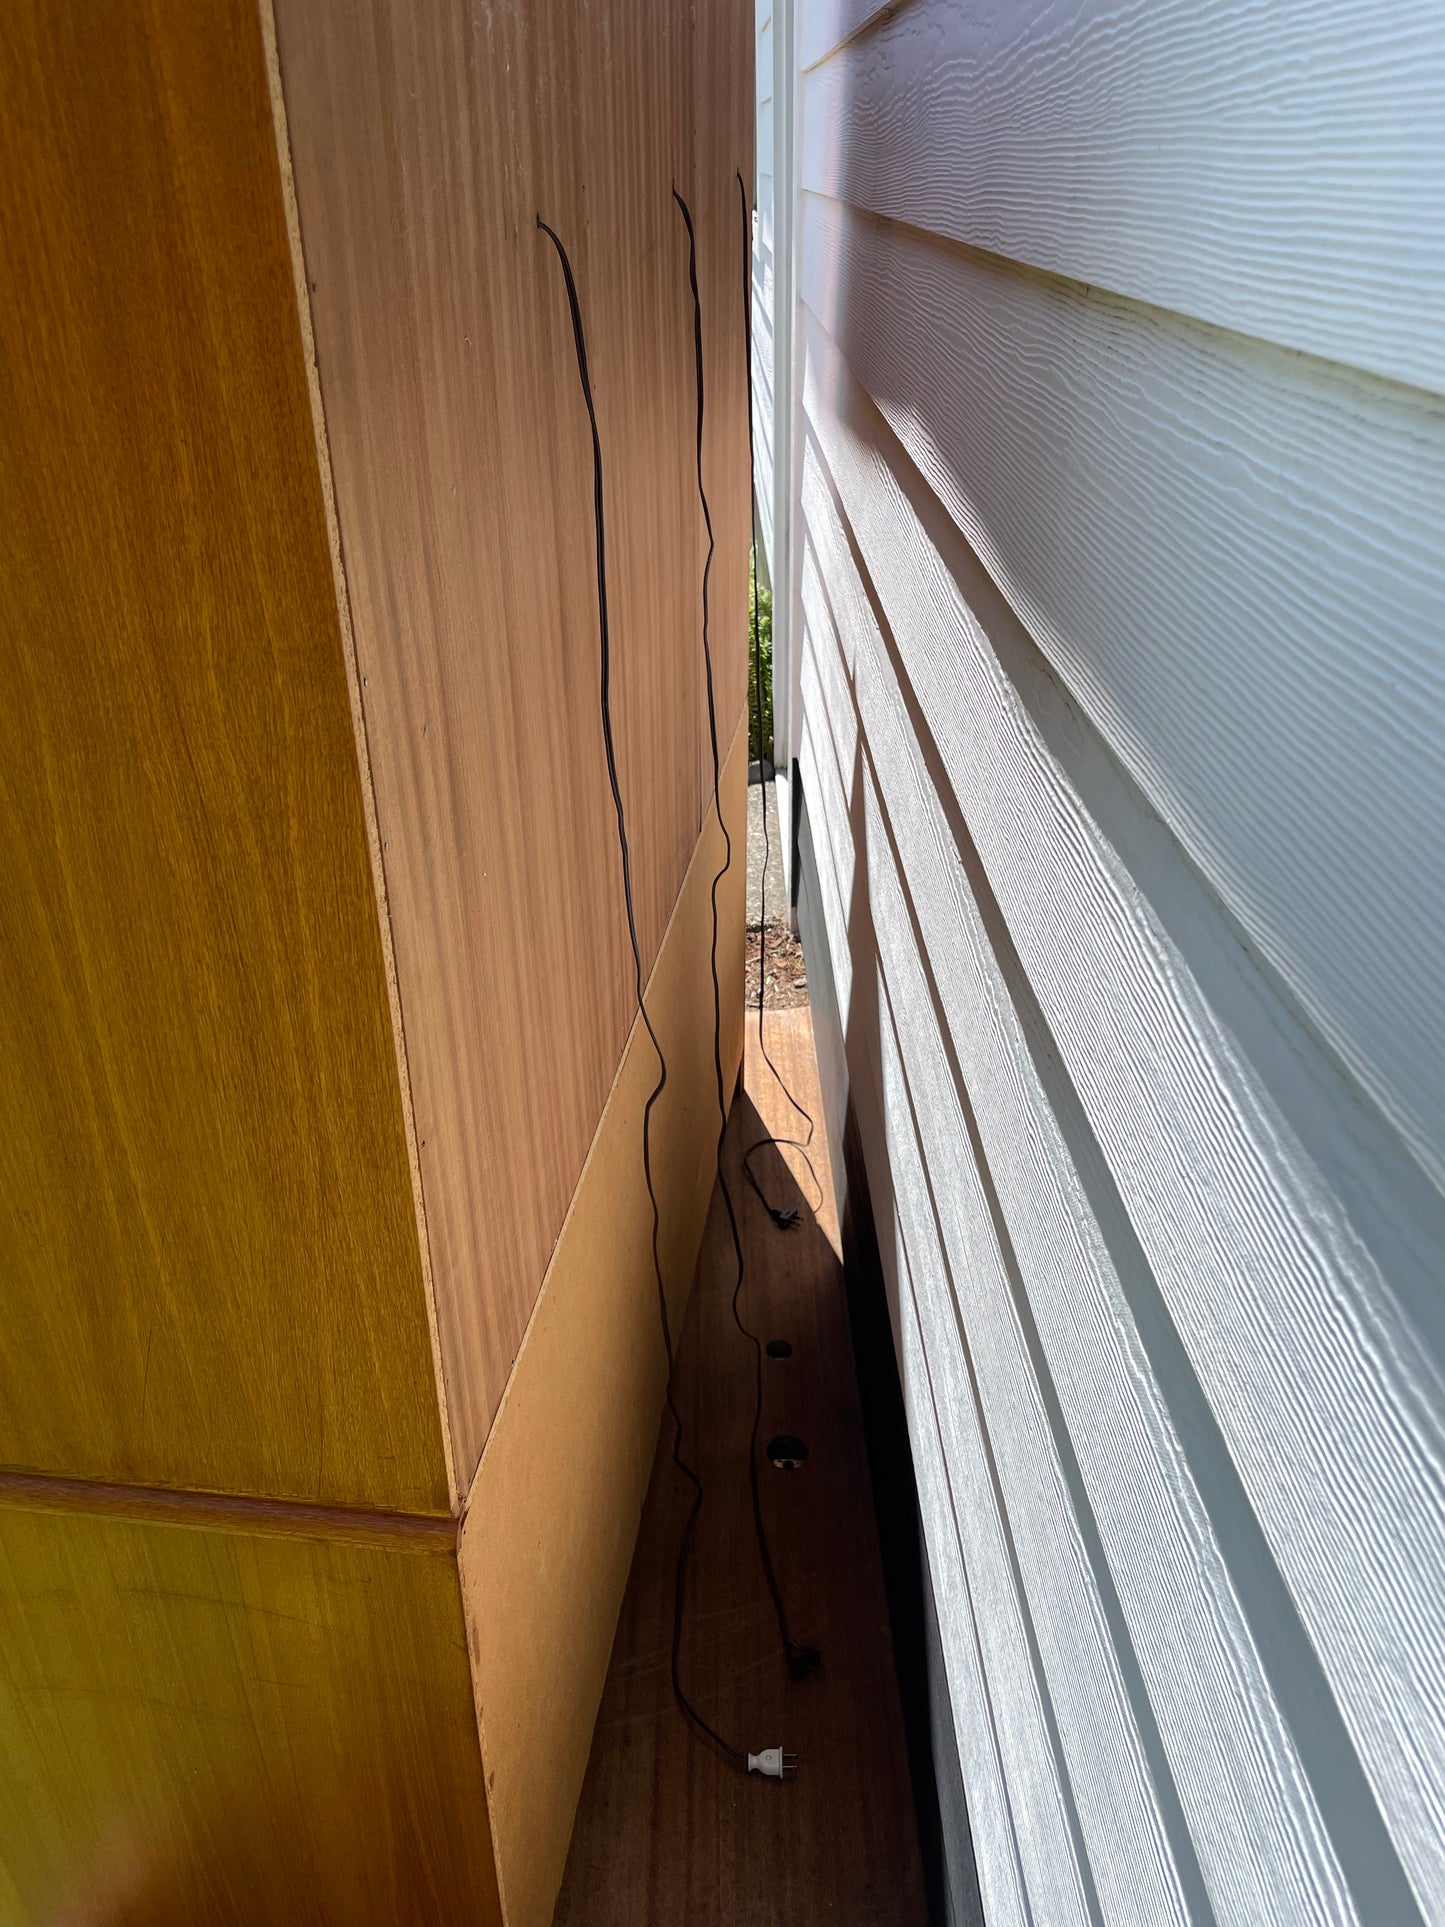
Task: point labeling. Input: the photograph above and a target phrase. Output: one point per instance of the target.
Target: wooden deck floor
(667, 1834)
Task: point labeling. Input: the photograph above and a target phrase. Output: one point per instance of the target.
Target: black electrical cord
(736, 1756)
(784, 1216)
(801, 1659)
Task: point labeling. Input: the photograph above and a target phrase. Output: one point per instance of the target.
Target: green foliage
(761, 599)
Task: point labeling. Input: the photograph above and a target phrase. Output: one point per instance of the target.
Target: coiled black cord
(735, 1755)
(801, 1659)
(784, 1216)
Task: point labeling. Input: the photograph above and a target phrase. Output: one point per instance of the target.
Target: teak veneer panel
(207, 1232)
(233, 1728)
(227, 1709)
(424, 143)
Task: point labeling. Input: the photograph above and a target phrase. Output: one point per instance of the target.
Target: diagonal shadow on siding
(1327, 1755)
(865, 1018)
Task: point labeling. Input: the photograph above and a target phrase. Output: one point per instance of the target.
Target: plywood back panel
(548, 1534)
(233, 1727)
(207, 1232)
(425, 141)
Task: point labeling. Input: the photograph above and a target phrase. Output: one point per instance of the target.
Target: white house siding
(763, 287)
(1115, 549)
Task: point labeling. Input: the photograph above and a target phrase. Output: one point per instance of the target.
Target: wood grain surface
(1273, 166)
(425, 142)
(207, 1235)
(220, 1727)
(552, 1516)
(666, 1831)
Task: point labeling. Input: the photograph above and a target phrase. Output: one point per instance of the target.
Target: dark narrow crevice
(900, 1539)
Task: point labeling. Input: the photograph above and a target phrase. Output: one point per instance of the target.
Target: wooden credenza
(329, 1373)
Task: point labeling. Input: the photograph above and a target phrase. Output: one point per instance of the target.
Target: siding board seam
(1052, 278)
(1023, 1602)
(870, 22)
(709, 817)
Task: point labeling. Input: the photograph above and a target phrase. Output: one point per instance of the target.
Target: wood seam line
(634, 1031)
(358, 721)
(229, 1512)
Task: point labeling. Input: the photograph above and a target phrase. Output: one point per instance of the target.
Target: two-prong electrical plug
(773, 1763)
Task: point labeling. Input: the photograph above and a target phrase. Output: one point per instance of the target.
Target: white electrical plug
(773, 1763)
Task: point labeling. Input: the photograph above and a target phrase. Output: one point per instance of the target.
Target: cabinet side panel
(228, 1726)
(206, 1224)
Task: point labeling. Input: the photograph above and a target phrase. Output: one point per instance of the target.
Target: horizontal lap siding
(763, 381)
(826, 24)
(1157, 1573)
(1122, 699)
(1155, 500)
(761, 371)
(1275, 166)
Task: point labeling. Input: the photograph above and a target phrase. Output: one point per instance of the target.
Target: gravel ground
(785, 981)
(785, 976)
